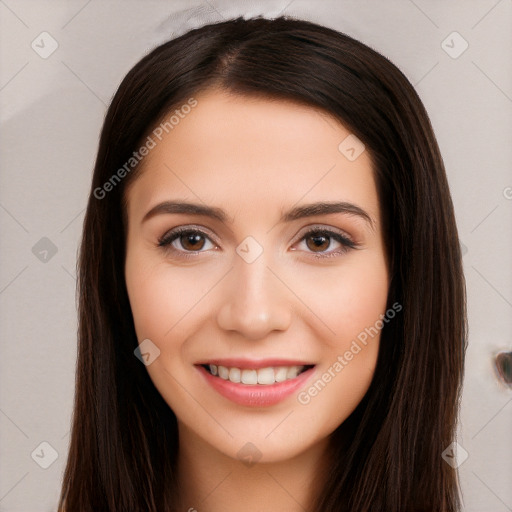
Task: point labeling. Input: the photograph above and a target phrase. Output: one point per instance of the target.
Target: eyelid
(171, 233)
(346, 241)
(324, 228)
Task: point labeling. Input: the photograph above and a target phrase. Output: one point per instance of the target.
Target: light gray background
(51, 113)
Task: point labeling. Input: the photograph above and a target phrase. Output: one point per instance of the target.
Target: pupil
(321, 239)
(192, 240)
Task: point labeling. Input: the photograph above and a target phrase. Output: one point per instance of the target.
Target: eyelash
(347, 244)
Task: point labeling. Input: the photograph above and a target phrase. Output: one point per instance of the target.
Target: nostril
(504, 366)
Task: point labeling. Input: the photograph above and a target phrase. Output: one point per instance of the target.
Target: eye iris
(189, 241)
(319, 241)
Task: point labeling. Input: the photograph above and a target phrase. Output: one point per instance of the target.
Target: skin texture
(255, 158)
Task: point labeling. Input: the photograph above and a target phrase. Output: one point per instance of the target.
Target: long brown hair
(387, 455)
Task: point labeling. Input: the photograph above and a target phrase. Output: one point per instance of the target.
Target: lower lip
(258, 395)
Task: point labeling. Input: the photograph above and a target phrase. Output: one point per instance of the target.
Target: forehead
(230, 146)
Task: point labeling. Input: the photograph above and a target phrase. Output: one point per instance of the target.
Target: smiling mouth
(264, 376)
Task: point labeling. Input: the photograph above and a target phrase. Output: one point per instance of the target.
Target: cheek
(347, 299)
(351, 301)
(162, 299)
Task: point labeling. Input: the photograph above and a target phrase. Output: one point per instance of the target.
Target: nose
(254, 300)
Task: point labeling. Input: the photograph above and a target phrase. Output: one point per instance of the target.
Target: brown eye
(185, 240)
(320, 242)
(192, 241)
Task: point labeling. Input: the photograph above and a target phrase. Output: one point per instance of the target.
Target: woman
(271, 297)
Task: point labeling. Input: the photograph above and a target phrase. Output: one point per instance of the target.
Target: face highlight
(255, 253)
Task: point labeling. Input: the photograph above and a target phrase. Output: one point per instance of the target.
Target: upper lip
(243, 363)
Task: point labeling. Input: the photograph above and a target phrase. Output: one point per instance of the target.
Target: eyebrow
(298, 212)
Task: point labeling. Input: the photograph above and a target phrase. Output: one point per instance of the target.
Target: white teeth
(292, 372)
(223, 372)
(249, 377)
(263, 376)
(266, 376)
(234, 374)
(280, 373)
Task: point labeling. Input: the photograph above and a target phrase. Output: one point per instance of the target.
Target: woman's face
(260, 287)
